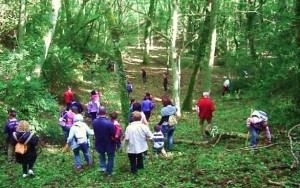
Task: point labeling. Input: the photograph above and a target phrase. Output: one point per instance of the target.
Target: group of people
(129, 86)
(19, 132)
(109, 135)
(257, 122)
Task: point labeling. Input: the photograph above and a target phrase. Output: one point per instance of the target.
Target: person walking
(165, 81)
(147, 106)
(205, 112)
(129, 88)
(144, 76)
(78, 139)
(104, 131)
(27, 159)
(10, 127)
(136, 135)
(93, 108)
(168, 130)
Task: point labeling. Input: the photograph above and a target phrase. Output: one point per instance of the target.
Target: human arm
(71, 135)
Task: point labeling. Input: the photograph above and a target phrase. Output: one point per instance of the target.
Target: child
(158, 141)
(129, 88)
(118, 134)
(257, 122)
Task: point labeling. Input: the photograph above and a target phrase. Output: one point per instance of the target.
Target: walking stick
(246, 142)
(151, 152)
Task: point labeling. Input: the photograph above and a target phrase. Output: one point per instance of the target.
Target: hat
(157, 128)
(206, 93)
(78, 117)
(102, 110)
(260, 114)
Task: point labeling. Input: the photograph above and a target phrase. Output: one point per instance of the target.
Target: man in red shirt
(205, 112)
(68, 97)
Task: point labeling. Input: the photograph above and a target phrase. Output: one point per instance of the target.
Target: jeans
(110, 162)
(254, 134)
(30, 166)
(168, 132)
(66, 130)
(85, 150)
(136, 161)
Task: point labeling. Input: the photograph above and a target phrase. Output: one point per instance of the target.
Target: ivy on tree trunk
(121, 74)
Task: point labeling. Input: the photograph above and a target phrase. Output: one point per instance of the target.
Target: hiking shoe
(79, 167)
(207, 133)
(102, 170)
(25, 175)
(30, 172)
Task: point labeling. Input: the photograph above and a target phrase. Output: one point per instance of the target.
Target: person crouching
(256, 123)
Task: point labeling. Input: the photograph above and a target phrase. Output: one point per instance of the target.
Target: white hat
(78, 117)
(260, 114)
(205, 93)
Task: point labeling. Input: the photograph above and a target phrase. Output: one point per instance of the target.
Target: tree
(121, 74)
(148, 31)
(49, 35)
(200, 50)
(213, 40)
(173, 57)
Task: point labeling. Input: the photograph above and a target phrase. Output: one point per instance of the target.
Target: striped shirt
(158, 140)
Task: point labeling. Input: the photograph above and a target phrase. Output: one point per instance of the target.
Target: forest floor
(225, 161)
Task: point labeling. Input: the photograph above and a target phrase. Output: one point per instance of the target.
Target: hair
(74, 109)
(12, 113)
(137, 106)
(93, 92)
(166, 101)
(113, 115)
(157, 128)
(132, 100)
(102, 110)
(23, 126)
(136, 116)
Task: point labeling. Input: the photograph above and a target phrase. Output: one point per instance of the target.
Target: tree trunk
(250, 30)
(121, 75)
(213, 40)
(21, 26)
(48, 37)
(201, 48)
(173, 55)
(148, 31)
(297, 27)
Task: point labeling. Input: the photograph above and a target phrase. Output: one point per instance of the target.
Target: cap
(205, 93)
(78, 117)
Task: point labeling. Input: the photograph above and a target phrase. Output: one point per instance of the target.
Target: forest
(47, 46)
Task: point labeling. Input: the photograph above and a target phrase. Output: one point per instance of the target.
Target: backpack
(13, 126)
(80, 134)
(172, 120)
(21, 148)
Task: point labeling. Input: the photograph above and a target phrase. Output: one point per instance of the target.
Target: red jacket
(68, 96)
(206, 108)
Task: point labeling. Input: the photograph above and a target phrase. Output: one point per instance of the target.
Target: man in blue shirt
(104, 132)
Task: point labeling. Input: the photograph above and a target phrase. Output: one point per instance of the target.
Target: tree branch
(296, 160)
